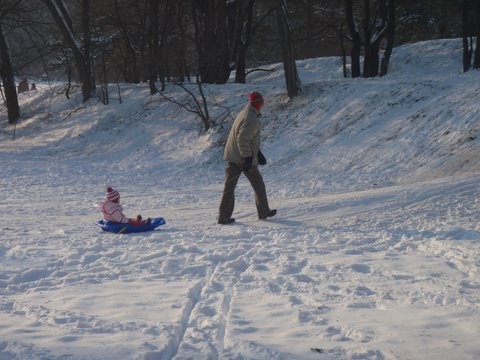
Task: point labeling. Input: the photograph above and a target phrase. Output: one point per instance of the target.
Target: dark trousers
(232, 174)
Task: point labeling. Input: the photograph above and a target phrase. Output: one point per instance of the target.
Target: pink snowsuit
(113, 212)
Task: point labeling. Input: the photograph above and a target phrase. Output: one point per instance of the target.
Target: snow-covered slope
(374, 253)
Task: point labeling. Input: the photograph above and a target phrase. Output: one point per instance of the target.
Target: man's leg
(261, 201)
(232, 174)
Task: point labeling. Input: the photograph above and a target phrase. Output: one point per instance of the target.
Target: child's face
(117, 200)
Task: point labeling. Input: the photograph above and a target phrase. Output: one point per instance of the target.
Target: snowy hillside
(374, 253)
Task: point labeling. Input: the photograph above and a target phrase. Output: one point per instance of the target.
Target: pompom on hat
(112, 194)
(256, 99)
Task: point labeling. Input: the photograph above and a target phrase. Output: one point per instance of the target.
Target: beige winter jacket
(244, 138)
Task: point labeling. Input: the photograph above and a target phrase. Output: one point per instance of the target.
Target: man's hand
(247, 164)
(261, 158)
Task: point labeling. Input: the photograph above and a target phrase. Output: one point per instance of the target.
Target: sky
(374, 252)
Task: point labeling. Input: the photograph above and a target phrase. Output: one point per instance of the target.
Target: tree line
(93, 43)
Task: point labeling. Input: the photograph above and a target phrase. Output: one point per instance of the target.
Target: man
(243, 154)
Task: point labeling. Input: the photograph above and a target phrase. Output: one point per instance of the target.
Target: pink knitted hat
(112, 194)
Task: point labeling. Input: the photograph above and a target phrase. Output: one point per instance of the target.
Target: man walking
(242, 152)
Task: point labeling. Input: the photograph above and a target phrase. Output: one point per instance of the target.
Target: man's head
(256, 100)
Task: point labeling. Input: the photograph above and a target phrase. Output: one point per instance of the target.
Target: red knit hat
(256, 99)
(112, 194)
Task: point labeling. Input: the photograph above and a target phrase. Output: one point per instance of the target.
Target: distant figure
(33, 87)
(243, 154)
(23, 86)
(112, 210)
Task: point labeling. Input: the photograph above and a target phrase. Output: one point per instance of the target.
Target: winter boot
(272, 212)
(226, 221)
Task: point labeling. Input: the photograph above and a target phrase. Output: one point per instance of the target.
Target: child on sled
(112, 210)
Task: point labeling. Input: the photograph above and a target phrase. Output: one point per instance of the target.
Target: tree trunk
(374, 32)
(476, 57)
(180, 48)
(64, 22)
(222, 61)
(240, 50)
(368, 47)
(129, 61)
(356, 40)
(371, 61)
(153, 45)
(467, 57)
(212, 41)
(310, 28)
(390, 38)
(7, 75)
(289, 66)
(87, 43)
(343, 53)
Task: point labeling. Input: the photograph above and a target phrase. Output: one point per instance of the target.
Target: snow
(374, 252)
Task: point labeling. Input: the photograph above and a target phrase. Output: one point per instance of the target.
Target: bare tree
(378, 25)
(127, 48)
(476, 57)
(471, 30)
(211, 39)
(62, 18)
(242, 36)
(7, 75)
(390, 37)
(180, 43)
(355, 37)
(289, 66)
(467, 51)
(9, 15)
(87, 46)
(154, 37)
(196, 104)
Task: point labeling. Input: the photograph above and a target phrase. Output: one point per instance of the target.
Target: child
(112, 210)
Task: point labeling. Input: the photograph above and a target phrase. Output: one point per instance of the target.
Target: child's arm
(119, 217)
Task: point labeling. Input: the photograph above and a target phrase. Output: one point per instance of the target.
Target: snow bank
(374, 253)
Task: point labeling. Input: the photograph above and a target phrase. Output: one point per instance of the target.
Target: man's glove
(261, 158)
(247, 164)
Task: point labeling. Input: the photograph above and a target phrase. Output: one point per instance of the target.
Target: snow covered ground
(374, 253)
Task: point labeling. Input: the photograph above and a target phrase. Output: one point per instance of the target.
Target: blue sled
(119, 228)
